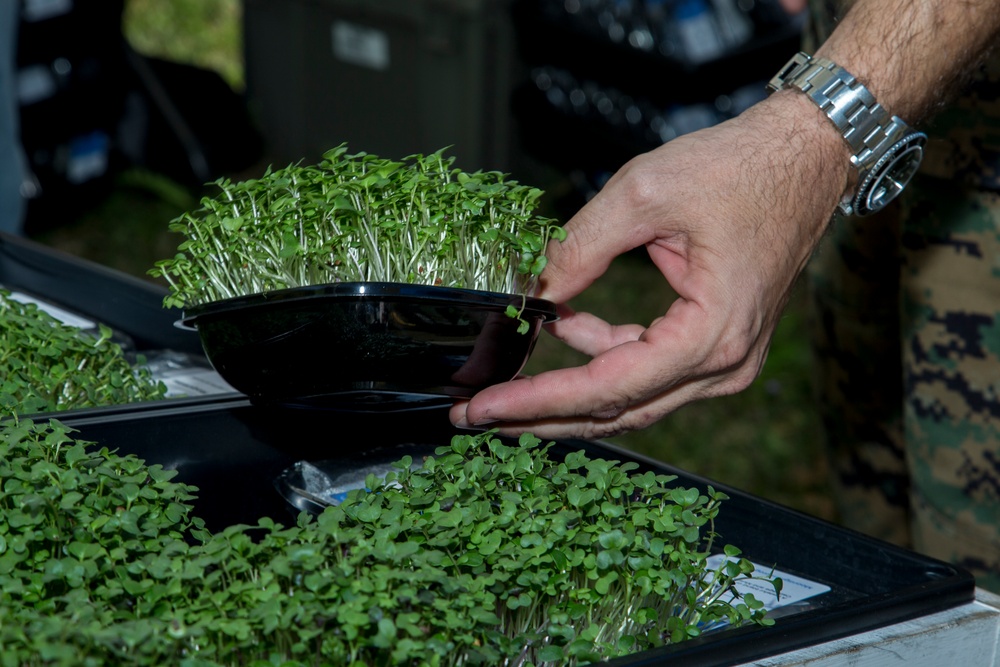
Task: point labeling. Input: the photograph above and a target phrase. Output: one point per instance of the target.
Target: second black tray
(235, 451)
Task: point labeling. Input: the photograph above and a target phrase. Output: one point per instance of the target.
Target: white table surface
(966, 636)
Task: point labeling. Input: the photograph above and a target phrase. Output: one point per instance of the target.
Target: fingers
(525, 398)
(636, 377)
(573, 263)
(604, 228)
(589, 334)
(619, 378)
(584, 400)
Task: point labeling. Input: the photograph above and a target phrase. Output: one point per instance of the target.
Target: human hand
(729, 215)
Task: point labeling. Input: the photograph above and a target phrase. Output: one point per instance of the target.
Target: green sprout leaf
(48, 366)
(360, 218)
(489, 552)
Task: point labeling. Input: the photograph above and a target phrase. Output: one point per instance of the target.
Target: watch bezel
(862, 203)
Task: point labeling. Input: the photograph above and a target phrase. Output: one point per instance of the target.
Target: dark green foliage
(47, 366)
(578, 559)
(360, 218)
(487, 553)
(83, 534)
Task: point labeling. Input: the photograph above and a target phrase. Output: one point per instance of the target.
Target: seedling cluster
(360, 218)
(487, 553)
(47, 366)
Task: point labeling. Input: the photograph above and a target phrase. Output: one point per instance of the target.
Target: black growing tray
(234, 451)
(131, 307)
(123, 302)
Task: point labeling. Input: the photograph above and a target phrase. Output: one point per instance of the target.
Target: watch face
(890, 175)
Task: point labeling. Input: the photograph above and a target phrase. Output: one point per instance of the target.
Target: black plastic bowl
(367, 345)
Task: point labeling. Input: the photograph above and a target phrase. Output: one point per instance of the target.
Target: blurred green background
(764, 440)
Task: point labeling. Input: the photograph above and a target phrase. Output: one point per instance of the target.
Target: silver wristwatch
(886, 151)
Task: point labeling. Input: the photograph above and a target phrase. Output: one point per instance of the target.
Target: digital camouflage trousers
(907, 343)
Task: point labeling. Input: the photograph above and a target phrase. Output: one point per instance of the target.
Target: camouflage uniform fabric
(907, 344)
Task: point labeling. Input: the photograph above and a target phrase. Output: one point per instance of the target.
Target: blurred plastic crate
(394, 78)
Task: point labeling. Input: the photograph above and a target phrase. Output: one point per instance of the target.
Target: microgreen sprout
(47, 366)
(360, 218)
(489, 552)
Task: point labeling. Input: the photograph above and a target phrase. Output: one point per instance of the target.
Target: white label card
(794, 589)
(193, 382)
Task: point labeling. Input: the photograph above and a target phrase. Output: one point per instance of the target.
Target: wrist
(885, 151)
(809, 150)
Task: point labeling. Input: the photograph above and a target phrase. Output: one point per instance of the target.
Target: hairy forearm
(913, 54)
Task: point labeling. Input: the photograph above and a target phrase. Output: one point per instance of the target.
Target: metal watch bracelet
(866, 127)
(864, 124)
